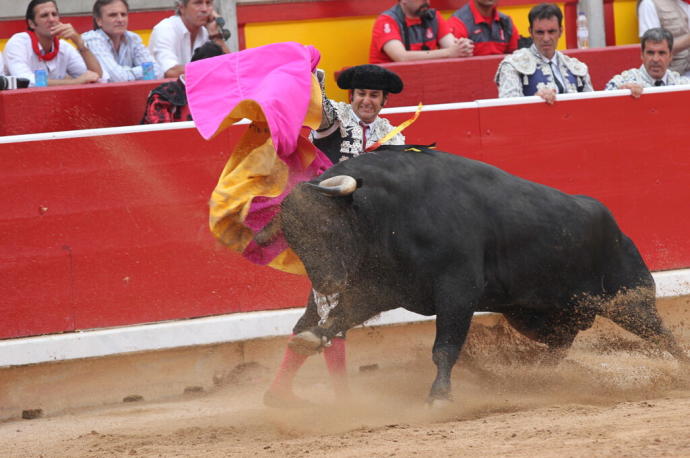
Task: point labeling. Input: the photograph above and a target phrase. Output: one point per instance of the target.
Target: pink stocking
(292, 361)
(337, 367)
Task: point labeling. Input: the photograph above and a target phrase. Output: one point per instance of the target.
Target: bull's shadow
(439, 234)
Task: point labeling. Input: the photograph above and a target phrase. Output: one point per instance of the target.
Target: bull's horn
(341, 185)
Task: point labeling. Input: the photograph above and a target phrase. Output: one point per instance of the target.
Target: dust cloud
(613, 395)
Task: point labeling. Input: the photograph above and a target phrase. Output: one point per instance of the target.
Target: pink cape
(275, 88)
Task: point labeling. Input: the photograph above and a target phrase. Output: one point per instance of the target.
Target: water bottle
(582, 31)
(147, 70)
(40, 78)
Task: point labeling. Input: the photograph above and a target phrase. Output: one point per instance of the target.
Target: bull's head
(322, 228)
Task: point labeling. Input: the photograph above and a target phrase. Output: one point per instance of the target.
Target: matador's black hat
(370, 76)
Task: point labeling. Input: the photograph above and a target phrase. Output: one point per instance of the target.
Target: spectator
(43, 47)
(541, 69)
(168, 102)
(674, 16)
(174, 39)
(346, 131)
(411, 30)
(657, 45)
(119, 51)
(491, 31)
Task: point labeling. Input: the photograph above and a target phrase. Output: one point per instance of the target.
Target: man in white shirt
(657, 46)
(44, 47)
(120, 52)
(174, 39)
(674, 16)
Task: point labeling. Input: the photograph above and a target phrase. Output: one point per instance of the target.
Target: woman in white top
(43, 47)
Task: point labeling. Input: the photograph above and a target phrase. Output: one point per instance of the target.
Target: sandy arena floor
(612, 396)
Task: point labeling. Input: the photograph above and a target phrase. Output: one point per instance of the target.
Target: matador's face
(367, 103)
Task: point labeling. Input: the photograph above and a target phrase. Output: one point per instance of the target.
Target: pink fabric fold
(276, 76)
(274, 87)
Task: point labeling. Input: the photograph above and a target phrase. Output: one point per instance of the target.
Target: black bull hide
(443, 235)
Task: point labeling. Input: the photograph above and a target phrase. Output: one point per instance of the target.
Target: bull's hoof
(305, 343)
(439, 403)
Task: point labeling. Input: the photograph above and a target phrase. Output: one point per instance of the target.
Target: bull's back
(430, 207)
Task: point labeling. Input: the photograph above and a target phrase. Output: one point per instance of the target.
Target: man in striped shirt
(120, 52)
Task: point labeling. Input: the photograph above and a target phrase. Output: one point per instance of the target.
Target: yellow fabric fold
(254, 169)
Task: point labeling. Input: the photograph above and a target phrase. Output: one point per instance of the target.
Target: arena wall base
(164, 375)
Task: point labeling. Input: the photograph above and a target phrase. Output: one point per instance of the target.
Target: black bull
(439, 234)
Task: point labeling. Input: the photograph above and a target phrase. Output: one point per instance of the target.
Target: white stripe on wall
(83, 133)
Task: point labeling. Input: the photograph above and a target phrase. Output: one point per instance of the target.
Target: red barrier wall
(84, 106)
(461, 80)
(112, 230)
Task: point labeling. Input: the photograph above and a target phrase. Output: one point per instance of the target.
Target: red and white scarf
(49, 55)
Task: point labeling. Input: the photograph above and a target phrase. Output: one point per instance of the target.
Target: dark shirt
(167, 103)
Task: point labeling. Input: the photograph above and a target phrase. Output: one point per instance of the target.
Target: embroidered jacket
(526, 71)
(341, 137)
(641, 77)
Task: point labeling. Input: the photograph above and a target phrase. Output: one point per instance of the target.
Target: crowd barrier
(84, 106)
(106, 228)
(54, 109)
(458, 80)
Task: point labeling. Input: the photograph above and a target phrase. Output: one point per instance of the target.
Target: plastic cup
(41, 78)
(147, 68)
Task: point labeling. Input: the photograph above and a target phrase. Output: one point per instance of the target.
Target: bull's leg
(309, 318)
(304, 341)
(451, 332)
(453, 317)
(636, 312)
(556, 328)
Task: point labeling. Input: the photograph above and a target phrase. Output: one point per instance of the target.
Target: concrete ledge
(60, 386)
